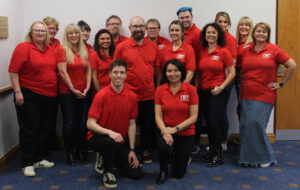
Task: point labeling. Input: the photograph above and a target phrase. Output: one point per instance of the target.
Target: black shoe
(82, 156)
(215, 160)
(162, 177)
(109, 180)
(70, 158)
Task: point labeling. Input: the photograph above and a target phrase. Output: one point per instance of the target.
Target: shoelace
(110, 177)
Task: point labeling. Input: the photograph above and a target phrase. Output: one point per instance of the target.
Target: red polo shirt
(121, 39)
(102, 68)
(212, 67)
(259, 69)
(36, 69)
(141, 60)
(55, 44)
(76, 71)
(176, 108)
(231, 44)
(185, 54)
(161, 43)
(113, 111)
(242, 46)
(192, 37)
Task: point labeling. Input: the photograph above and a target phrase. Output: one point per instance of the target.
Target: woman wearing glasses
(75, 79)
(32, 72)
(52, 25)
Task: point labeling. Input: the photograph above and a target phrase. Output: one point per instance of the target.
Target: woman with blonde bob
(32, 71)
(53, 27)
(259, 65)
(74, 83)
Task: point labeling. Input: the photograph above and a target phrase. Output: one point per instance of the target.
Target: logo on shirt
(266, 55)
(161, 46)
(215, 58)
(246, 46)
(180, 56)
(184, 98)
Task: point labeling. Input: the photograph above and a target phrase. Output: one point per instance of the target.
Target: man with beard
(113, 24)
(141, 56)
(191, 31)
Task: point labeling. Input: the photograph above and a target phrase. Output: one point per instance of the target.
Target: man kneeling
(111, 120)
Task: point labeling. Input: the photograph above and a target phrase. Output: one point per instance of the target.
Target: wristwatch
(281, 84)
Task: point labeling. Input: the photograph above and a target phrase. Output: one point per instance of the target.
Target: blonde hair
(28, 37)
(81, 48)
(248, 21)
(264, 26)
(49, 20)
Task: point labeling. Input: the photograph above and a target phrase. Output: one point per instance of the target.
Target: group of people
(167, 88)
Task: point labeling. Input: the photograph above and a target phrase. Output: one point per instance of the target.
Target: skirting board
(288, 135)
(12, 154)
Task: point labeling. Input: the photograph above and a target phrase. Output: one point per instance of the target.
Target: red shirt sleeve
(231, 45)
(227, 58)
(158, 95)
(280, 55)
(60, 54)
(194, 96)
(96, 107)
(134, 110)
(19, 58)
(190, 59)
(94, 60)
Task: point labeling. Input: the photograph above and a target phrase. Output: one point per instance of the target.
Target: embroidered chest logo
(161, 46)
(266, 55)
(180, 56)
(184, 98)
(215, 57)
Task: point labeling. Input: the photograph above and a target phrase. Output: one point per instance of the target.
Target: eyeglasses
(152, 28)
(72, 33)
(52, 28)
(39, 31)
(137, 26)
(114, 24)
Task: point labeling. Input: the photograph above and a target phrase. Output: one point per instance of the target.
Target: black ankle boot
(70, 158)
(162, 177)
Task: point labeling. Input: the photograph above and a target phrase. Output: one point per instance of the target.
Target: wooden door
(288, 98)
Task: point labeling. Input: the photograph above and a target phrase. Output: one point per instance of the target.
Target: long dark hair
(221, 35)
(180, 67)
(97, 46)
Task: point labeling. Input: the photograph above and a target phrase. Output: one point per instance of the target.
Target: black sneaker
(109, 180)
(99, 163)
(215, 160)
(146, 157)
(195, 149)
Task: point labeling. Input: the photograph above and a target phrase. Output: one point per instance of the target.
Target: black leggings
(182, 148)
(212, 107)
(114, 154)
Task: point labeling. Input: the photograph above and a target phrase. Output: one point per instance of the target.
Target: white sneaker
(29, 171)
(207, 148)
(99, 163)
(264, 165)
(43, 164)
(224, 146)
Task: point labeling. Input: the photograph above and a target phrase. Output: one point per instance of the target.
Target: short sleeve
(194, 96)
(158, 93)
(280, 55)
(227, 58)
(60, 54)
(94, 60)
(134, 110)
(19, 58)
(191, 59)
(96, 107)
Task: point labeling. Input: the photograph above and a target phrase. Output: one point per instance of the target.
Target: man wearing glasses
(113, 24)
(141, 56)
(153, 29)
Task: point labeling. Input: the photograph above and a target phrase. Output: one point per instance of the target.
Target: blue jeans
(255, 147)
(74, 113)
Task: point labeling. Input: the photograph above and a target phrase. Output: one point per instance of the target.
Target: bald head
(137, 28)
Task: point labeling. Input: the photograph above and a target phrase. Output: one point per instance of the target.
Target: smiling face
(175, 32)
(104, 41)
(73, 37)
(152, 30)
(137, 28)
(118, 76)
(85, 34)
(223, 23)
(173, 74)
(52, 28)
(260, 35)
(186, 18)
(244, 28)
(39, 33)
(211, 35)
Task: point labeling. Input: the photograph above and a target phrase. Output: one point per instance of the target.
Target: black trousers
(180, 150)
(74, 113)
(35, 118)
(114, 155)
(212, 107)
(147, 124)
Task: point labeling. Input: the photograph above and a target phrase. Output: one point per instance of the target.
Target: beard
(138, 35)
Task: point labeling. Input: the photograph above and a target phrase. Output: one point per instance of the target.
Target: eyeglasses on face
(138, 26)
(39, 31)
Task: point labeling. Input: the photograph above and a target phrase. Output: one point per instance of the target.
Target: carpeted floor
(229, 176)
